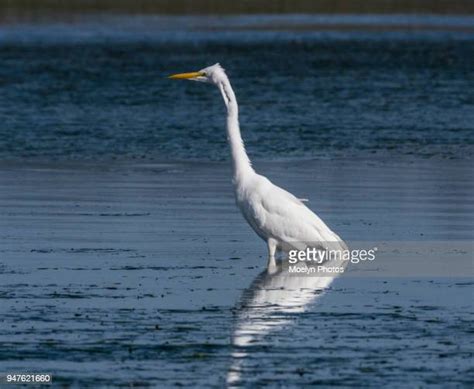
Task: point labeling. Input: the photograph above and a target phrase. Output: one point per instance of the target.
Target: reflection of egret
(268, 305)
(278, 217)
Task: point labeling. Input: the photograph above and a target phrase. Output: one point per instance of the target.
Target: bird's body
(277, 216)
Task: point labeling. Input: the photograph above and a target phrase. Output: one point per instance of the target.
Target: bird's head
(212, 75)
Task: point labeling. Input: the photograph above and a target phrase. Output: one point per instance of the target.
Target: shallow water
(96, 88)
(115, 272)
(146, 275)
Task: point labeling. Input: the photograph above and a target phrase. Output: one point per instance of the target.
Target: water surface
(123, 260)
(97, 89)
(146, 275)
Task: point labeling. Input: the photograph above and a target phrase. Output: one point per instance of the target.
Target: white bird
(278, 217)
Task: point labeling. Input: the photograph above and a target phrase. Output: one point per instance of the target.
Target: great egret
(278, 217)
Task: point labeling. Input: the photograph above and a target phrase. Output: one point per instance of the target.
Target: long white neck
(240, 161)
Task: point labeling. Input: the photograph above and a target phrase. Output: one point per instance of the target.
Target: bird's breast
(251, 208)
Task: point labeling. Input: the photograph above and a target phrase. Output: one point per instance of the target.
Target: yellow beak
(185, 76)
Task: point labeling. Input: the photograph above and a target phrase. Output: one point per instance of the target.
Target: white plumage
(278, 217)
(276, 214)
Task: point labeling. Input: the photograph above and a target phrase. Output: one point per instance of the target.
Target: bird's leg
(271, 265)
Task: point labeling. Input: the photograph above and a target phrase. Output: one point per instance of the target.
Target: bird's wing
(282, 215)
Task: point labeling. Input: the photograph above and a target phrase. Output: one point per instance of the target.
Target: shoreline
(198, 7)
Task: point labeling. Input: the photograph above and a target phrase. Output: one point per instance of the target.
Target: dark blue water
(143, 274)
(96, 89)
